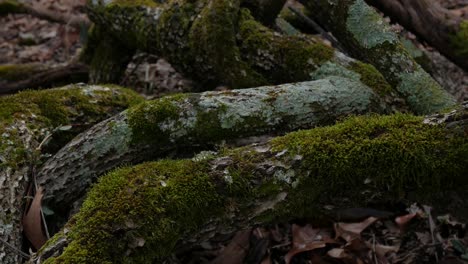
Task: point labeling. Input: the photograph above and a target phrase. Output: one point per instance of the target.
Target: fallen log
(36, 123)
(142, 214)
(364, 34)
(155, 128)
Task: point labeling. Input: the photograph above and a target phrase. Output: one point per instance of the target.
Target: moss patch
(371, 77)
(460, 39)
(138, 214)
(134, 202)
(11, 7)
(15, 72)
(397, 153)
(41, 111)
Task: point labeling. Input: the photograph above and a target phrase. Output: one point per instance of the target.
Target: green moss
(371, 77)
(47, 109)
(138, 214)
(460, 39)
(397, 153)
(280, 58)
(133, 3)
(134, 202)
(212, 41)
(15, 72)
(147, 119)
(11, 7)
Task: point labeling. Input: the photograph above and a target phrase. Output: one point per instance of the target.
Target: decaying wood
(146, 132)
(364, 34)
(431, 22)
(47, 78)
(36, 115)
(144, 213)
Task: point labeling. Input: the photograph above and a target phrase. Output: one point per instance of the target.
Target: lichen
(367, 26)
(423, 93)
(149, 121)
(139, 214)
(41, 112)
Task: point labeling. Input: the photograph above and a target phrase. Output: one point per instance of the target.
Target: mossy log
(186, 121)
(220, 43)
(13, 76)
(142, 214)
(430, 21)
(26, 119)
(365, 35)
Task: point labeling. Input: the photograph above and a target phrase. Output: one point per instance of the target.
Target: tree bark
(142, 214)
(364, 34)
(45, 78)
(26, 119)
(434, 24)
(154, 128)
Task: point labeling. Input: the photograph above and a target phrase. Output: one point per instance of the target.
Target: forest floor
(406, 235)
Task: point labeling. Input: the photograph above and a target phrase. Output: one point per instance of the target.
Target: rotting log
(26, 120)
(222, 44)
(184, 121)
(365, 35)
(439, 27)
(142, 214)
(13, 76)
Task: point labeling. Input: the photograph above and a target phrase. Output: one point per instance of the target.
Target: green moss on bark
(41, 111)
(15, 72)
(460, 39)
(11, 7)
(138, 214)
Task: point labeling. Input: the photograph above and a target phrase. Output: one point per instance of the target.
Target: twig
(21, 253)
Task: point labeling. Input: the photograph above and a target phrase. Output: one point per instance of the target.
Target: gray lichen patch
(333, 69)
(422, 92)
(367, 26)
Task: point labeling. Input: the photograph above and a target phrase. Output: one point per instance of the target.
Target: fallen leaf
(32, 222)
(351, 231)
(305, 238)
(235, 252)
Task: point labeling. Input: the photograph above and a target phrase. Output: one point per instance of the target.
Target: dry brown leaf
(237, 249)
(351, 231)
(32, 222)
(305, 238)
(402, 221)
(338, 253)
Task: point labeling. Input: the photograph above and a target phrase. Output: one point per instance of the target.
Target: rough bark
(434, 24)
(26, 119)
(142, 214)
(39, 77)
(154, 128)
(220, 43)
(362, 31)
